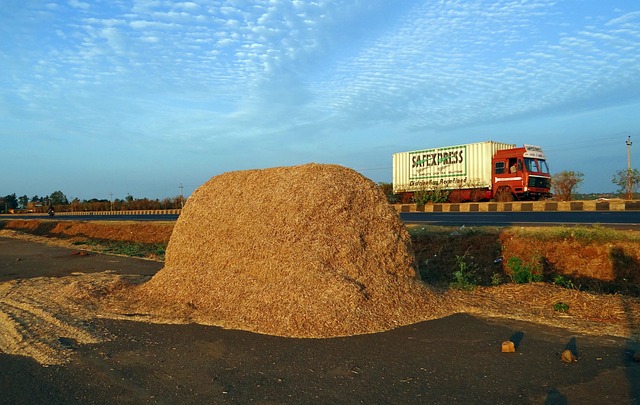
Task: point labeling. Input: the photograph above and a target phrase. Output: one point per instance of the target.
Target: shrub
(430, 195)
(125, 248)
(464, 278)
(522, 273)
(563, 282)
(560, 307)
(496, 279)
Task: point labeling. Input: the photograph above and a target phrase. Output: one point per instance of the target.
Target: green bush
(563, 282)
(433, 195)
(464, 278)
(522, 273)
(125, 248)
(497, 279)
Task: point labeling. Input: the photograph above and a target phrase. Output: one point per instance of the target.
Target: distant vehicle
(480, 171)
(51, 212)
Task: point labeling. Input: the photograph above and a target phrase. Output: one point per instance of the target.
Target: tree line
(564, 186)
(60, 203)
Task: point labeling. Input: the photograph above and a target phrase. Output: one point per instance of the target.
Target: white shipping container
(449, 167)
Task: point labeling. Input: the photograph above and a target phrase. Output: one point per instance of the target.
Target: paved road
(454, 360)
(617, 218)
(629, 219)
(107, 217)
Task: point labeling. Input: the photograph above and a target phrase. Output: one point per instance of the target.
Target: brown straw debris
(305, 251)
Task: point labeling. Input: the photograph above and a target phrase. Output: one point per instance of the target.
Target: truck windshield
(543, 166)
(531, 165)
(536, 165)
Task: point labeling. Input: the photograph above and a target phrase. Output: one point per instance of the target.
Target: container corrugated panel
(449, 167)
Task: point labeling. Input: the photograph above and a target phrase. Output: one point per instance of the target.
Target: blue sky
(139, 97)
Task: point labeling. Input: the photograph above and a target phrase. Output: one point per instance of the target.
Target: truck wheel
(504, 195)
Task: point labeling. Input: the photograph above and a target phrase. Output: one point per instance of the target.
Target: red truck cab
(520, 174)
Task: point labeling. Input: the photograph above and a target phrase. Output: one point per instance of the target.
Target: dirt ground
(49, 287)
(453, 359)
(612, 266)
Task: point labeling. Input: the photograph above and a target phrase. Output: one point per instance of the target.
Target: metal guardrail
(591, 205)
(93, 213)
(523, 206)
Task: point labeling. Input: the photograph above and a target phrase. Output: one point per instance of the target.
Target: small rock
(18, 259)
(636, 356)
(568, 356)
(68, 343)
(508, 347)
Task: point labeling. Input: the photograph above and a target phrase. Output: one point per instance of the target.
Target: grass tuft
(583, 234)
(133, 249)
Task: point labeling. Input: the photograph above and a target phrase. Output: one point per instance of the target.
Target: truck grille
(539, 182)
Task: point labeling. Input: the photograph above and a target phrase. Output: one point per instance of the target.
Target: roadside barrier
(593, 205)
(92, 213)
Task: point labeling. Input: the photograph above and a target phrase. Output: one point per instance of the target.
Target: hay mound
(305, 251)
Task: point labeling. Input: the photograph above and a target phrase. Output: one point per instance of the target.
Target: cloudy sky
(140, 96)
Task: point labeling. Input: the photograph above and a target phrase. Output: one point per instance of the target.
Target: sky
(151, 98)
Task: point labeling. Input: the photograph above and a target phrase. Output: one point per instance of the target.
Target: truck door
(519, 181)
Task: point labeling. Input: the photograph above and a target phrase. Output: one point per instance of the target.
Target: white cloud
(629, 19)
(188, 5)
(79, 4)
(244, 68)
(143, 24)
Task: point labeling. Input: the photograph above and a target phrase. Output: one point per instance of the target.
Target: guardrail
(522, 206)
(94, 213)
(592, 205)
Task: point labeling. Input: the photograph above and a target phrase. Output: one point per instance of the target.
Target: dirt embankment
(141, 232)
(68, 303)
(579, 258)
(611, 266)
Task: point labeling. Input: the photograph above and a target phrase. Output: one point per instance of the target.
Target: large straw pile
(305, 251)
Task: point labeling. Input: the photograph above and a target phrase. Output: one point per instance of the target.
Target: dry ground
(37, 311)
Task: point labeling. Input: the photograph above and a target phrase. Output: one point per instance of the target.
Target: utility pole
(110, 201)
(181, 198)
(629, 190)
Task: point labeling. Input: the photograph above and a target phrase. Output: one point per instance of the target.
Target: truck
(482, 171)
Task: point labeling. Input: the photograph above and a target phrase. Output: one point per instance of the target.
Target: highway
(106, 217)
(629, 219)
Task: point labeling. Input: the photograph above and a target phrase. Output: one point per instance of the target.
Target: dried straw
(536, 302)
(305, 251)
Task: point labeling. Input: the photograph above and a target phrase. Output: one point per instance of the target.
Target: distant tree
(23, 201)
(58, 198)
(10, 202)
(75, 204)
(96, 205)
(565, 183)
(177, 202)
(117, 204)
(387, 189)
(166, 203)
(627, 181)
